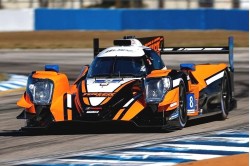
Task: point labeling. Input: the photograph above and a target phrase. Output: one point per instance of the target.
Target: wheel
(225, 97)
(181, 120)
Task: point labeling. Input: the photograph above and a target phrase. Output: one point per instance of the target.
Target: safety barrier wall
(122, 19)
(16, 20)
(74, 19)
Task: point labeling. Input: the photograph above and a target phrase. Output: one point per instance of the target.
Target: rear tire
(225, 97)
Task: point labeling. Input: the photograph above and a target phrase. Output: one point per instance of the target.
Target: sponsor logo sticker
(92, 112)
(98, 94)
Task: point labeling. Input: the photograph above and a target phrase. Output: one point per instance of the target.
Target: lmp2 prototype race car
(129, 82)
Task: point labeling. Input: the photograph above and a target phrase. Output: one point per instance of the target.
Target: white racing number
(190, 103)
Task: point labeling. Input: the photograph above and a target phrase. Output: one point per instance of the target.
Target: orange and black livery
(129, 82)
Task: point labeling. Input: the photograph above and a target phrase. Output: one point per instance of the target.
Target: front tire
(181, 121)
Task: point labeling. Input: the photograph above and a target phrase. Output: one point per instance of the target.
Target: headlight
(156, 88)
(41, 91)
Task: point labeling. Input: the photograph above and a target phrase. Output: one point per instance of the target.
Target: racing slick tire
(181, 121)
(225, 97)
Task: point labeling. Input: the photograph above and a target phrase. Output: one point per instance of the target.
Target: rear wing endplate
(204, 50)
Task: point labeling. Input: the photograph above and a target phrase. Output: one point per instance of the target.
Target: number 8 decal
(190, 102)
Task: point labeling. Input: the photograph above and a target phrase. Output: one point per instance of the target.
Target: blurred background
(74, 23)
(150, 4)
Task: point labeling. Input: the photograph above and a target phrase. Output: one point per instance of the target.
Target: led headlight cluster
(156, 88)
(40, 91)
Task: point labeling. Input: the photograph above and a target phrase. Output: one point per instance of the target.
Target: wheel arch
(183, 76)
(174, 74)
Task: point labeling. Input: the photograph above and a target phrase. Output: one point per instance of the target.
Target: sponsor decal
(92, 112)
(98, 94)
(155, 44)
(93, 108)
(120, 49)
(191, 103)
(107, 82)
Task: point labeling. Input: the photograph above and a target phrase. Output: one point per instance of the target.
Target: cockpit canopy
(117, 66)
(125, 66)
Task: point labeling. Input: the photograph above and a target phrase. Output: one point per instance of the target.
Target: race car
(129, 83)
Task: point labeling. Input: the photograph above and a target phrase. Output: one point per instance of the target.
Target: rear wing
(157, 43)
(204, 50)
(154, 42)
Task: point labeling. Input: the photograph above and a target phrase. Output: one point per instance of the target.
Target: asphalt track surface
(16, 146)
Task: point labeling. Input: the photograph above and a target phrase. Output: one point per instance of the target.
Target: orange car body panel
(203, 72)
(172, 97)
(133, 111)
(158, 73)
(25, 102)
(118, 114)
(61, 87)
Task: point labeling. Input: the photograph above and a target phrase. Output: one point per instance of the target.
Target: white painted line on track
(165, 152)
(206, 147)
(18, 82)
(81, 161)
(10, 85)
(3, 89)
(228, 139)
(189, 156)
(14, 82)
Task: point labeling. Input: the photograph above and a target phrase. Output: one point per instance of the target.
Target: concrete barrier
(17, 20)
(123, 19)
(75, 19)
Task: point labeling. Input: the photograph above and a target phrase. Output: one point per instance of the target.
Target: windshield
(117, 66)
